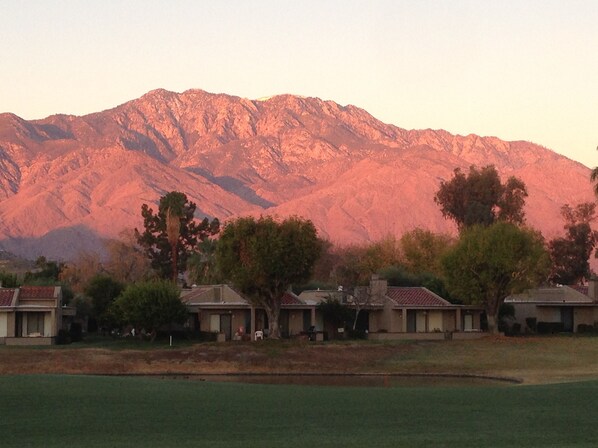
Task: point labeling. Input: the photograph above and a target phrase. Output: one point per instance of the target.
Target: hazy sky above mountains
(518, 70)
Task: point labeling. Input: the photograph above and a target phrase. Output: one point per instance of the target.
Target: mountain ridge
(356, 177)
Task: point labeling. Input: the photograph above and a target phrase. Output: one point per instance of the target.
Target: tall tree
(570, 254)
(126, 260)
(480, 198)
(173, 233)
(264, 257)
(490, 263)
(158, 238)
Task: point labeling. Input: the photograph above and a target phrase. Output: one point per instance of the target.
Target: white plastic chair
(259, 335)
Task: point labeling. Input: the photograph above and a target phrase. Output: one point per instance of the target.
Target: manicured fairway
(61, 411)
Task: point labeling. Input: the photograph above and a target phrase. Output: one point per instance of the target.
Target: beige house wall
(38, 302)
(420, 322)
(449, 321)
(295, 322)
(583, 316)
(435, 321)
(523, 311)
(377, 320)
(237, 319)
(49, 325)
(3, 325)
(548, 314)
(10, 325)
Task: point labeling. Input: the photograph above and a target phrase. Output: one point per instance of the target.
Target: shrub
(63, 337)
(550, 327)
(76, 332)
(357, 334)
(584, 328)
(516, 329)
(531, 323)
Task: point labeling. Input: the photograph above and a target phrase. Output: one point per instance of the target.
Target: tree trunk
(273, 313)
(174, 264)
(355, 320)
(492, 323)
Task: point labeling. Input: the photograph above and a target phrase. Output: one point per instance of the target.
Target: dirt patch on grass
(531, 359)
(271, 356)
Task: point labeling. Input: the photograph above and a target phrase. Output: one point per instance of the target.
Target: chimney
(378, 287)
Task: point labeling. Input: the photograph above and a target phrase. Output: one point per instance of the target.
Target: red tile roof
(415, 296)
(37, 292)
(6, 296)
(290, 299)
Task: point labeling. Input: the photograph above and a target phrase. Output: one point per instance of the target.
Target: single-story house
(30, 315)
(384, 313)
(397, 312)
(570, 306)
(221, 309)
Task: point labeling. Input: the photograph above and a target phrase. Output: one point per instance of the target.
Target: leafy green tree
(335, 312)
(150, 306)
(490, 263)
(172, 233)
(103, 291)
(47, 271)
(356, 263)
(8, 280)
(570, 255)
(422, 251)
(399, 276)
(263, 258)
(480, 198)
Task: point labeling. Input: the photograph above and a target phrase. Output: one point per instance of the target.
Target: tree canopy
(422, 250)
(570, 254)
(264, 257)
(103, 291)
(150, 306)
(167, 248)
(490, 263)
(480, 198)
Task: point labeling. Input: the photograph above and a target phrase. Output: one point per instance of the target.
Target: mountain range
(67, 182)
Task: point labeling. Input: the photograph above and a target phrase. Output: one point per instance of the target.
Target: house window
(35, 324)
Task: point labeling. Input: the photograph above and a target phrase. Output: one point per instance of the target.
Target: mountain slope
(66, 181)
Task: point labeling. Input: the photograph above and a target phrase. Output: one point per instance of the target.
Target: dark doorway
(306, 319)
(567, 318)
(363, 321)
(226, 326)
(411, 321)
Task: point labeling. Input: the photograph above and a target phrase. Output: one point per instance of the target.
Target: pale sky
(517, 70)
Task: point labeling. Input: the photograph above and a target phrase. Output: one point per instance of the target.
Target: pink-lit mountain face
(66, 181)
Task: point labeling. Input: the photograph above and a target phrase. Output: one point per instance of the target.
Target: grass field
(59, 411)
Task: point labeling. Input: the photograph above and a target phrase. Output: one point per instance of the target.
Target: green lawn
(60, 411)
